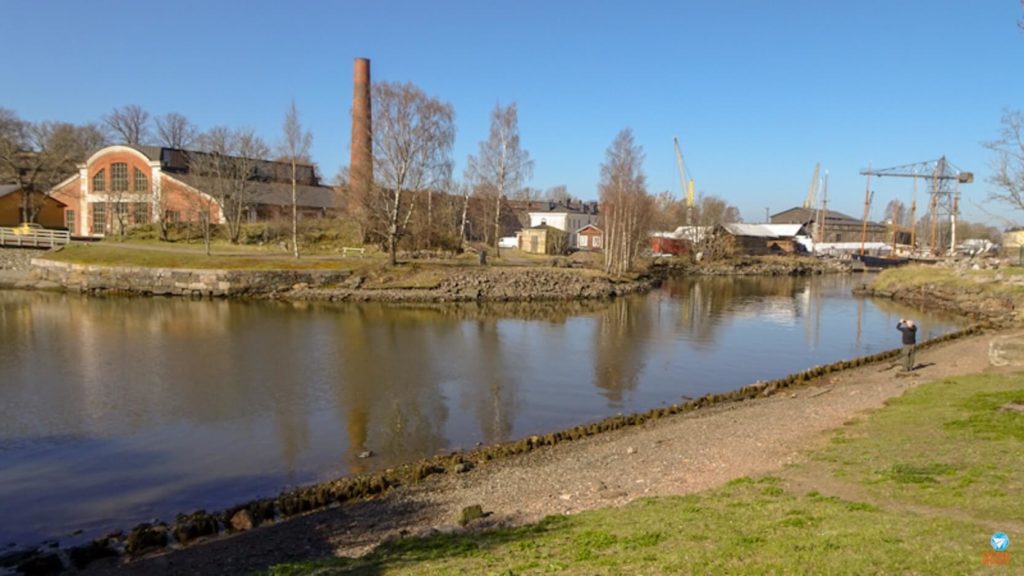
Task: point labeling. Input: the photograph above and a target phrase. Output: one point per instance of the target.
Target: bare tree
(502, 166)
(669, 212)
(176, 131)
(1008, 164)
(625, 204)
(413, 136)
(128, 124)
(558, 193)
(226, 168)
(294, 149)
(36, 156)
(712, 210)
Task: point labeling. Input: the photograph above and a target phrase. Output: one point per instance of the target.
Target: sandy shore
(680, 454)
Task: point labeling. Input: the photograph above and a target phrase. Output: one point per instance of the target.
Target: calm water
(116, 411)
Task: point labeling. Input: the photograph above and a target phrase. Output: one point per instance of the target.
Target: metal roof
(763, 230)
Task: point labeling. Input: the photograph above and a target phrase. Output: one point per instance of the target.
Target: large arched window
(141, 182)
(119, 177)
(99, 181)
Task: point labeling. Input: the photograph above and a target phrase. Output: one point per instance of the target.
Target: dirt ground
(681, 454)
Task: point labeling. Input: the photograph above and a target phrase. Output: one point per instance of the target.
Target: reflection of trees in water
(550, 311)
(705, 301)
(491, 381)
(388, 362)
(621, 335)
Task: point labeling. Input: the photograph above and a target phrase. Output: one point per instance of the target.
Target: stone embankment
(17, 259)
(486, 285)
(491, 284)
(135, 280)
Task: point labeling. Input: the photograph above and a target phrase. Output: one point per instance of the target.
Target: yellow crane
(687, 185)
(813, 190)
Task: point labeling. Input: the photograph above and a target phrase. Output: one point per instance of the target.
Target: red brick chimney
(360, 175)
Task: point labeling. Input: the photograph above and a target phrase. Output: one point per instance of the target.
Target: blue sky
(757, 92)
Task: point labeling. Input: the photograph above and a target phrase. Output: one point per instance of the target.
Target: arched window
(99, 181)
(141, 182)
(119, 177)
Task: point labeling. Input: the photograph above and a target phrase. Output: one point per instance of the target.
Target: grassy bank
(240, 257)
(1005, 281)
(919, 487)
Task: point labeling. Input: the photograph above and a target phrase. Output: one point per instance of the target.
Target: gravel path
(669, 456)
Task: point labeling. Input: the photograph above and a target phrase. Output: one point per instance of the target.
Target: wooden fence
(33, 237)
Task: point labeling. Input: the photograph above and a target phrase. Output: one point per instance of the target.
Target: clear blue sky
(757, 92)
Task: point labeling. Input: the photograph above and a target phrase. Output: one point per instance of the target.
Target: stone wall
(19, 259)
(178, 281)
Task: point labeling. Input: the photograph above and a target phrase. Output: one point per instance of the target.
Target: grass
(374, 267)
(985, 281)
(104, 254)
(933, 475)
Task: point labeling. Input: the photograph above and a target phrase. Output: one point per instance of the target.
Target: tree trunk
(295, 214)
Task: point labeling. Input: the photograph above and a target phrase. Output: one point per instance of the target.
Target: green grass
(932, 476)
(945, 445)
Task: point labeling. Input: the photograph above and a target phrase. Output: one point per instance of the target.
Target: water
(117, 411)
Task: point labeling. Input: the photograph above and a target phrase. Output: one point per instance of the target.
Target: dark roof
(176, 161)
(279, 193)
(804, 215)
(560, 208)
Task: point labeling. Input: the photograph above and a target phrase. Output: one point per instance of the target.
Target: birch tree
(502, 166)
(625, 204)
(226, 168)
(413, 136)
(295, 149)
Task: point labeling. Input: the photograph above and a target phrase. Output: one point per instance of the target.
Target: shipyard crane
(813, 190)
(941, 174)
(687, 185)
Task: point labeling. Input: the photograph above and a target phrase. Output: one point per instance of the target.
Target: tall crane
(941, 174)
(687, 185)
(813, 190)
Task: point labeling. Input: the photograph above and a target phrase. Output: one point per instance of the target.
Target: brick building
(130, 186)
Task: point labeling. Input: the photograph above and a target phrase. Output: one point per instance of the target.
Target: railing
(33, 237)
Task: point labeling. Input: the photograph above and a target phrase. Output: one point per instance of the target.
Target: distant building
(762, 239)
(141, 185)
(590, 237)
(42, 209)
(678, 242)
(838, 226)
(568, 217)
(543, 239)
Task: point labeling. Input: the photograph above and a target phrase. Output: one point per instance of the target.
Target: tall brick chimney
(360, 175)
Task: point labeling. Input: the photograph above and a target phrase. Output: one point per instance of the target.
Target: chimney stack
(360, 169)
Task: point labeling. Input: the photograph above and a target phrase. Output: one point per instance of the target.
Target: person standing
(909, 331)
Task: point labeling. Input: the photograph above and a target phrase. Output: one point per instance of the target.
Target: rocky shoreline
(429, 284)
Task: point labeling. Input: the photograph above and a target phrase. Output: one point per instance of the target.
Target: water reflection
(120, 410)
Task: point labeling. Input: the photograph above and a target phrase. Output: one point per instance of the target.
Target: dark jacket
(909, 333)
